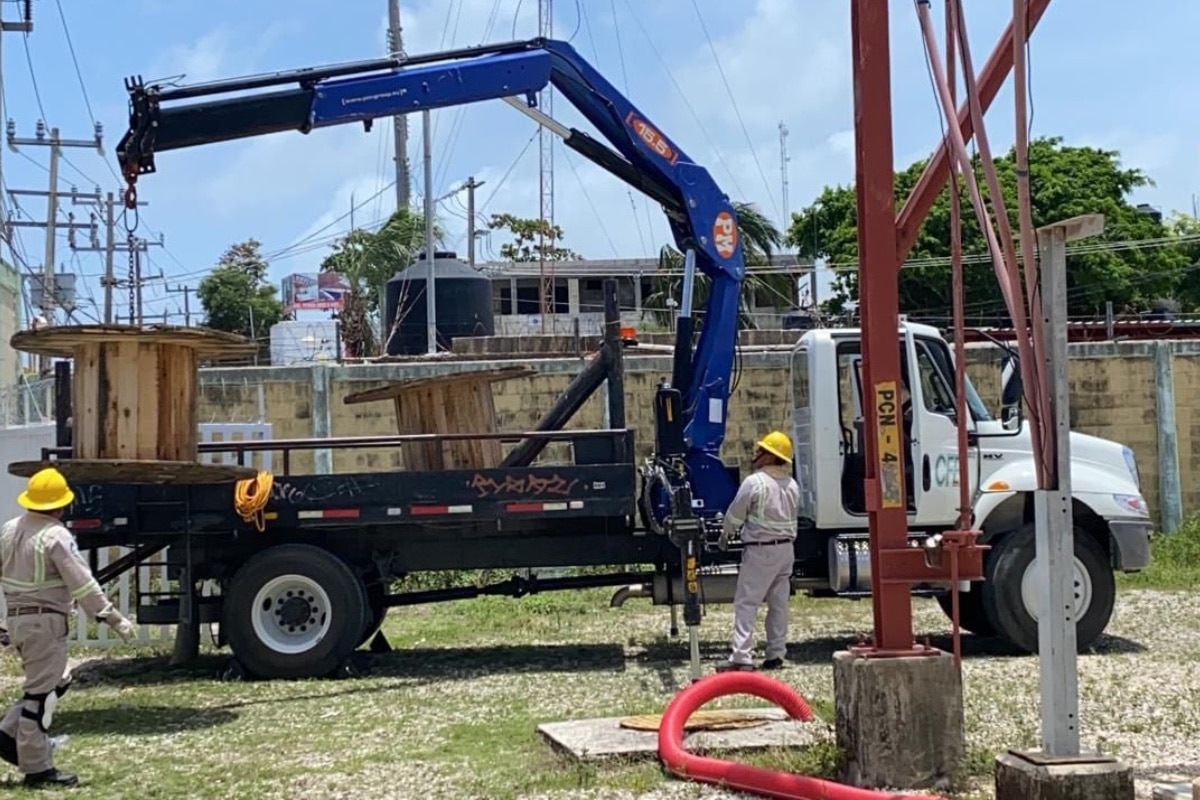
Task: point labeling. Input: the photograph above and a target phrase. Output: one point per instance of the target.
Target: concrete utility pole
(187, 292)
(110, 248)
(1055, 539)
(430, 304)
(546, 177)
(400, 121)
(55, 143)
(471, 234)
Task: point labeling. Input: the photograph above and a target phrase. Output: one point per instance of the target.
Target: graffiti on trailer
(318, 490)
(530, 485)
(88, 498)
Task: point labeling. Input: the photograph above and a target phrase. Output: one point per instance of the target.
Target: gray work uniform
(765, 508)
(43, 574)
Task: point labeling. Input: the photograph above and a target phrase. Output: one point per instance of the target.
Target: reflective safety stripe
(86, 589)
(30, 586)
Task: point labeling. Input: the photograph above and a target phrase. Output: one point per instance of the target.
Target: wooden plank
(136, 471)
(147, 439)
(61, 341)
(401, 388)
(124, 388)
(85, 403)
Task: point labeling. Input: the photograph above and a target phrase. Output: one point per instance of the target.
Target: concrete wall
(11, 320)
(1119, 391)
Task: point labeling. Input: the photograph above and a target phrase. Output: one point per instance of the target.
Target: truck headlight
(1133, 503)
(1131, 463)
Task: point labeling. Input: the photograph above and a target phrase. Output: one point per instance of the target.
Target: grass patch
(1175, 562)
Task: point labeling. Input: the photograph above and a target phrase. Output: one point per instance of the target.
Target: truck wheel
(294, 611)
(971, 614)
(1010, 589)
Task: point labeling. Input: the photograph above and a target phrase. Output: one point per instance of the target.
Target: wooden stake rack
(457, 403)
(133, 401)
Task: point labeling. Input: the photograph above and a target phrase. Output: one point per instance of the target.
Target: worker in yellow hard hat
(43, 575)
(765, 509)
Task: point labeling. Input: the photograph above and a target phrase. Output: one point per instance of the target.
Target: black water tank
(464, 305)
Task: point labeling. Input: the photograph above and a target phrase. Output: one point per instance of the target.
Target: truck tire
(294, 611)
(971, 615)
(1009, 589)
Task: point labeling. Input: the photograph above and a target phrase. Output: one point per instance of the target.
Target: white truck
(1112, 520)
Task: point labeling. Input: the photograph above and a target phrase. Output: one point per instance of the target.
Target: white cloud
(203, 60)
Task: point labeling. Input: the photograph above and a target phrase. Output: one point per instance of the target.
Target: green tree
(236, 297)
(760, 239)
(532, 239)
(1186, 229)
(367, 260)
(1065, 181)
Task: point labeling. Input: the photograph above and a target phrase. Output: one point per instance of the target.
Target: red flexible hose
(740, 777)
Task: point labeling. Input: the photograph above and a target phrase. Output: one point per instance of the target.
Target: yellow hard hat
(47, 491)
(777, 444)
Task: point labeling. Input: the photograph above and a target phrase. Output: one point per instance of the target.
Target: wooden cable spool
(457, 403)
(134, 401)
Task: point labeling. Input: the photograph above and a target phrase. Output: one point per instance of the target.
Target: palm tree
(760, 239)
(367, 260)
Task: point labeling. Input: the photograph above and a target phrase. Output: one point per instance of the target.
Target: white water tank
(303, 342)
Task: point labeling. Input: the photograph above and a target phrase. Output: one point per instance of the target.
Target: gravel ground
(452, 712)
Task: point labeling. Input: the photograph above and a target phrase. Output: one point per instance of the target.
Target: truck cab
(1112, 521)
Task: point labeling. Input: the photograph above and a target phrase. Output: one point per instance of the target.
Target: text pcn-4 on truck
(1112, 521)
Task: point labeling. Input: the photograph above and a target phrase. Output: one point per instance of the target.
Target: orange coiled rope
(250, 497)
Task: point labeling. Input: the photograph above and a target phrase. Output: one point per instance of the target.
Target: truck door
(935, 433)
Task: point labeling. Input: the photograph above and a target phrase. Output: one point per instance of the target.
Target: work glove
(117, 621)
(723, 542)
(5, 639)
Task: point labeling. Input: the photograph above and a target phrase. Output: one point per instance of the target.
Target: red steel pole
(879, 302)
(937, 170)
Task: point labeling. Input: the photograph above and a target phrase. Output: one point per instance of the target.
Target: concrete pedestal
(899, 720)
(1033, 776)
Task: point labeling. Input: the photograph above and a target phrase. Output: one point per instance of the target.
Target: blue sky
(1103, 74)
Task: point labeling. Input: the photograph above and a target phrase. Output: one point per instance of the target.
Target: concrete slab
(1187, 790)
(1031, 776)
(604, 738)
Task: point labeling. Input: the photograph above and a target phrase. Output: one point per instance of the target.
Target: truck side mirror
(1011, 409)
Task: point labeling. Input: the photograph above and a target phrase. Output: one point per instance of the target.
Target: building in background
(579, 293)
(11, 320)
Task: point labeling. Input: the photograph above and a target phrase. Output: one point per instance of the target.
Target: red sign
(725, 234)
(652, 138)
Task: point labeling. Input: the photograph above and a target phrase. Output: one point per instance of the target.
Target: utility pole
(400, 121)
(784, 158)
(187, 292)
(546, 176)
(110, 248)
(471, 187)
(430, 304)
(55, 143)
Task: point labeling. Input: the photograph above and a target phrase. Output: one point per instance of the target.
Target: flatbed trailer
(299, 595)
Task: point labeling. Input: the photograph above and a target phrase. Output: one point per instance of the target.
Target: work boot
(51, 777)
(773, 663)
(729, 666)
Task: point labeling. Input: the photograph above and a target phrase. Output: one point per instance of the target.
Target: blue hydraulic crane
(686, 477)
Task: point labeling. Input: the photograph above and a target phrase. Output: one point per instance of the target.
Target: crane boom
(701, 217)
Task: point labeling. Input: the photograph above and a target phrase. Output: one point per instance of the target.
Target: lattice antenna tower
(784, 158)
(546, 178)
